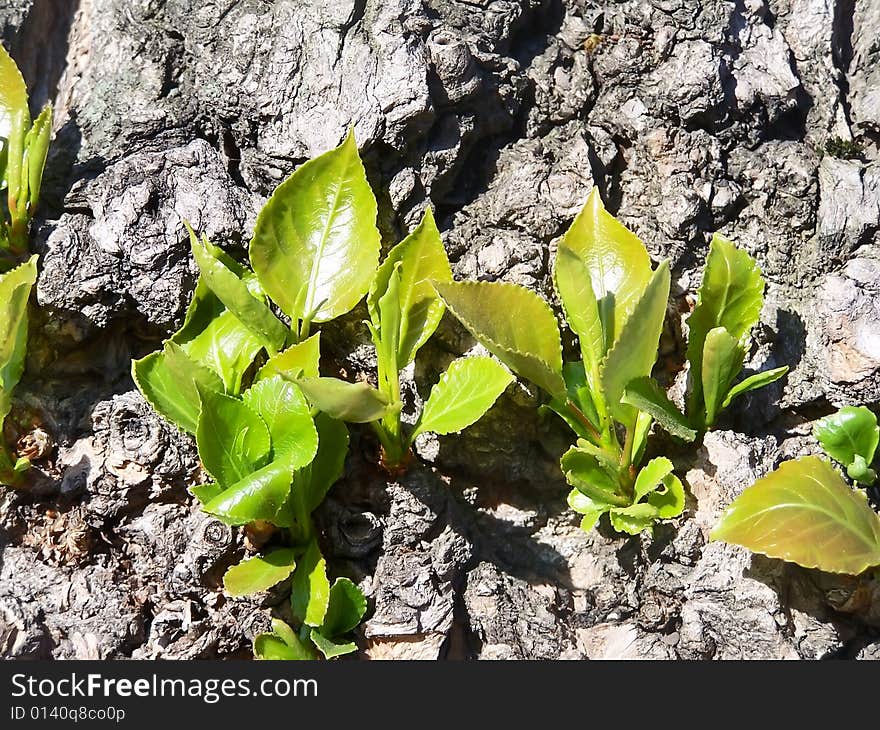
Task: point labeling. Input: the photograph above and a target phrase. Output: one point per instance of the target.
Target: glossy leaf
(753, 382)
(387, 336)
(169, 380)
(848, 433)
(651, 476)
(227, 347)
(37, 149)
(722, 362)
(329, 462)
(233, 440)
(805, 513)
(591, 509)
(352, 402)
(258, 496)
(730, 296)
(15, 290)
(646, 395)
(316, 246)
(283, 408)
(617, 262)
(13, 95)
(669, 498)
(594, 476)
(421, 259)
(514, 324)
(634, 519)
(281, 644)
(635, 350)
(297, 361)
(468, 388)
(345, 609)
(233, 291)
(572, 279)
(260, 572)
(310, 593)
(328, 648)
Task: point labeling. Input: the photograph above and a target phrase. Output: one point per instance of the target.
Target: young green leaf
(594, 476)
(206, 492)
(260, 572)
(618, 268)
(15, 290)
(730, 296)
(722, 362)
(13, 95)
(345, 610)
(283, 408)
(233, 441)
(647, 396)
(316, 246)
(468, 388)
(233, 291)
(668, 498)
(422, 258)
(386, 337)
(297, 361)
(281, 644)
(258, 496)
(591, 509)
(352, 402)
(170, 381)
(635, 350)
(634, 519)
(651, 476)
(329, 462)
(753, 382)
(329, 649)
(36, 149)
(514, 324)
(805, 513)
(578, 405)
(310, 594)
(850, 433)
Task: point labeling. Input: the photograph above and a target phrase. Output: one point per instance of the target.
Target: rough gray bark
(690, 117)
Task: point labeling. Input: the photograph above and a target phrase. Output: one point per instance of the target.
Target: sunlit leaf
(635, 350)
(422, 258)
(591, 509)
(281, 644)
(310, 593)
(260, 572)
(849, 433)
(753, 382)
(297, 361)
(514, 324)
(722, 362)
(316, 246)
(328, 648)
(633, 519)
(805, 513)
(465, 392)
(651, 476)
(328, 464)
(352, 402)
(594, 476)
(13, 95)
(646, 395)
(283, 408)
(15, 290)
(345, 609)
(258, 496)
(36, 150)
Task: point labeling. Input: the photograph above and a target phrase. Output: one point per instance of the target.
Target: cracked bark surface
(502, 114)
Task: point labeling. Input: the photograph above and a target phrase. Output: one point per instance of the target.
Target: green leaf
(651, 476)
(618, 267)
(571, 277)
(635, 350)
(468, 388)
(422, 259)
(514, 324)
(860, 472)
(36, 150)
(258, 496)
(329, 649)
(669, 498)
(297, 361)
(259, 573)
(283, 408)
(352, 402)
(170, 381)
(591, 509)
(232, 439)
(206, 492)
(593, 475)
(646, 395)
(233, 291)
(386, 337)
(15, 290)
(633, 519)
(13, 95)
(730, 296)
(310, 594)
(849, 433)
(753, 382)
(316, 246)
(722, 362)
(282, 643)
(329, 462)
(345, 610)
(805, 513)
